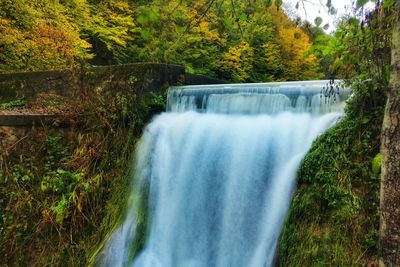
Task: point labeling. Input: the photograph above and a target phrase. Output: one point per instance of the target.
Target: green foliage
(334, 217)
(388, 3)
(204, 36)
(38, 35)
(359, 46)
(201, 35)
(60, 209)
(62, 194)
(278, 3)
(16, 103)
(155, 103)
(237, 62)
(318, 21)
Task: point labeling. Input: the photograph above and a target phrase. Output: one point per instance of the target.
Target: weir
(304, 96)
(219, 168)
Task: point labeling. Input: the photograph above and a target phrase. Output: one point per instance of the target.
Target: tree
(41, 35)
(390, 183)
(320, 46)
(38, 35)
(237, 62)
(109, 31)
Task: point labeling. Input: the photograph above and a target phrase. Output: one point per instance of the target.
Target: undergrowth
(63, 191)
(13, 104)
(334, 216)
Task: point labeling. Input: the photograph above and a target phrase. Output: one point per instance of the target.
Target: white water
(220, 184)
(269, 98)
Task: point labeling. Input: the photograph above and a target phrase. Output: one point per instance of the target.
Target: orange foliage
(295, 46)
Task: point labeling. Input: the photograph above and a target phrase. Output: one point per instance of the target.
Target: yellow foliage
(250, 42)
(237, 62)
(40, 37)
(208, 34)
(295, 46)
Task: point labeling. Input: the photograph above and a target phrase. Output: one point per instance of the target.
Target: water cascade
(218, 169)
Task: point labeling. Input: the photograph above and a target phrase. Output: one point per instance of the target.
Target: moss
(334, 216)
(115, 212)
(376, 165)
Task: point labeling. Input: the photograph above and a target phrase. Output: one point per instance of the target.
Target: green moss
(376, 165)
(142, 223)
(334, 216)
(115, 212)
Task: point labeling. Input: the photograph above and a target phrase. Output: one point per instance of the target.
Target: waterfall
(219, 170)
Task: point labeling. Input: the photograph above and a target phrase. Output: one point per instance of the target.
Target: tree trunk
(390, 149)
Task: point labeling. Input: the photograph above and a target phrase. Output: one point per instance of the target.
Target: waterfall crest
(316, 97)
(220, 170)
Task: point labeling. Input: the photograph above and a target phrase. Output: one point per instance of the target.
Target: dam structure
(217, 171)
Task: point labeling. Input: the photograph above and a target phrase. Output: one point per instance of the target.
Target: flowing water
(219, 168)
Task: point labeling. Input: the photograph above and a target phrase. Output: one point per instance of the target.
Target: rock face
(390, 184)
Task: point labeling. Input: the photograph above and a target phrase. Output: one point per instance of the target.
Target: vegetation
(225, 39)
(334, 217)
(60, 195)
(16, 103)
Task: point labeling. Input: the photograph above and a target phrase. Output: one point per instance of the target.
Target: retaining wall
(65, 88)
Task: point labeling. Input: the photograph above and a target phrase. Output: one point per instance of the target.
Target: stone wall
(142, 77)
(66, 88)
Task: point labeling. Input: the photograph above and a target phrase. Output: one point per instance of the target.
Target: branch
(234, 15)
(210, 3)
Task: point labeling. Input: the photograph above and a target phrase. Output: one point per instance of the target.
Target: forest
(61, 196)
(237, 41)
